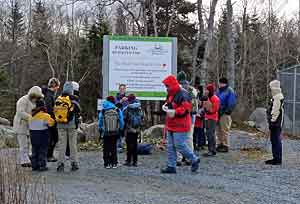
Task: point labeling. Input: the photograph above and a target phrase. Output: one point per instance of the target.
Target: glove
(165, 107)
(171, 113)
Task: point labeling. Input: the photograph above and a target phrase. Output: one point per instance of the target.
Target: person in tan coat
(24, 108)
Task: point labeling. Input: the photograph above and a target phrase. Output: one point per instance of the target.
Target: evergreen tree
(15, 23)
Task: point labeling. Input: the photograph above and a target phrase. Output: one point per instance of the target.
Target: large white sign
(141, 63)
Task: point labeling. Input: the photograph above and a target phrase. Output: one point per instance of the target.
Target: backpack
(134, 118)
(63, 109)
(111, 121)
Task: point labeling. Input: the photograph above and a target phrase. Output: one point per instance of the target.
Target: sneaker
(210, 154)
(43, 168)
(195, 165)
(27, 165)
(273, 162)
(178, 163)
(61, 168)
(168, 170)
(107, 166)
(52, 159)
(115, 166)
(222, 148)
(74, 166)
(134, 165)
(127, 164)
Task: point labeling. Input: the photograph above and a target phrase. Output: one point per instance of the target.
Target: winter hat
(275, 84)
(131, 98)
(111, 99)
(53, 82)
(40, 103)
(172, 83)
(35, 91)
(211, 88)
(68, 88)
(75, 86)
(223, 80)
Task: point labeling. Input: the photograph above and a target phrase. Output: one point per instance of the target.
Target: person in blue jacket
(111, 122)
(228, 101)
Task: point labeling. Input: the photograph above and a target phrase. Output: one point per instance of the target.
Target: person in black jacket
(275, 114)
(50, 95)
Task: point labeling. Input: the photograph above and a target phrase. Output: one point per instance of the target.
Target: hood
(75, 86)
(172, 83)
(68, 88)
(108, 105)
(275, 87)
(35, 91)
(135, 104)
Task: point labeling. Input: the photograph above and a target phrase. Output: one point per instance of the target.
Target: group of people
(193, 116)
(47, 122)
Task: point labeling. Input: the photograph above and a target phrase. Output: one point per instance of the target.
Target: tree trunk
(154, 8)
(208, 46)
(230, 46)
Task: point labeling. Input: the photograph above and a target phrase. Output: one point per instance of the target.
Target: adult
(121, 103)
(178, 107)
(193, 94)
(24, 108)
(228, 100)
(50, 92)
(211, 106)
(275, 115)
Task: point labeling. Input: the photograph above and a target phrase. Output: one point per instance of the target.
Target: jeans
(132, 147)
(276, 143)
(177, 141)
(211, 135)
(110, 156)
(199, 137)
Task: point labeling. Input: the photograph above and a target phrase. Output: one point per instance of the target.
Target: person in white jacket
(275, 115)
(24, 108)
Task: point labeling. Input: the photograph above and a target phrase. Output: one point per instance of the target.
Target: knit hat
(111, 99)
(75, 86)
(223, 80)
(275, 84)
(40, 103)
(68, 88)
(211, 88)
(131, 98)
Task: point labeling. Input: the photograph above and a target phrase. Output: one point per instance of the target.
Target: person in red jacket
(178, 107)
(211, 107)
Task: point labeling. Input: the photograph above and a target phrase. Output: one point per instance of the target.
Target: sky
(287, 8)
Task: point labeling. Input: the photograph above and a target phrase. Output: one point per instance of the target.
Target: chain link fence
(290, 83)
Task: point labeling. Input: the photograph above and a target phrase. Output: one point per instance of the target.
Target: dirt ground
(237, 177)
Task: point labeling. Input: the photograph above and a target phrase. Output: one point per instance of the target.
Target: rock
(8, 137)
(156, 131)
(88, 132)
(258, 119)
(4, 121)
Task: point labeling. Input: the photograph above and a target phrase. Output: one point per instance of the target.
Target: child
(211, 107)
(39, 134)
(199, 135)
(133, 117)
(110, 122)
(275, 114)
(65, 110)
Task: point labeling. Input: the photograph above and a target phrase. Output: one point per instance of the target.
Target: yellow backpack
(62, 109)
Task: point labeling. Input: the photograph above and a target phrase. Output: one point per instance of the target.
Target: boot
(61, 168)
(169, 170)
(195, 165)
(222, 148)
(74, 166)
(273, 162)
(209, 154)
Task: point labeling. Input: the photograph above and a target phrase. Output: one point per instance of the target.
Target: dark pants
(132, 147)
(276, 143)
(39, 141)
(110, 156)
(199, 138)
(210, 126)
(68, 148)
(53, 139)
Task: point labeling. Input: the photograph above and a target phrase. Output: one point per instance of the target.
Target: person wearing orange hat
(211, 107)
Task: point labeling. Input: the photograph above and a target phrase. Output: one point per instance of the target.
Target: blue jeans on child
(177, 141)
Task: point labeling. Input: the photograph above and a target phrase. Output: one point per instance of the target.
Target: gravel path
(227, 178)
